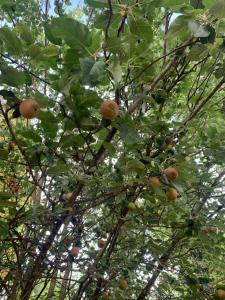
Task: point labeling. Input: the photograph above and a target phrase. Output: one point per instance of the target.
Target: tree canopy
(112, 149)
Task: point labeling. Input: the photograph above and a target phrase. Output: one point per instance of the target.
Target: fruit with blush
(29, 108)
(171, 194)
(171, 173)
(109, 109)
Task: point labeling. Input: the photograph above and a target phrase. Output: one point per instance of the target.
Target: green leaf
(135, 165)
(221, 27)
(11, 41)
(88, 123)
(74, 33)
(111, 150)
(116, 70)
(97, 3)
(43, 100)
(174, 3)
(50, 36)
(34, 51)
(3, 2)
(209, 3)
(96, 38)
(218, 9)
(120, 45)
(12, 77)
(141, 28)
(4, 228)
(26, 34)
(5, 196)
(4, 154)
(31, 135)
(197, 4)
(71, 140)
(128, 133)
(49, 123)
(197, 52)
(49, 51)
(59, 168)
(93, 72)
(5, 203)
(179, 28)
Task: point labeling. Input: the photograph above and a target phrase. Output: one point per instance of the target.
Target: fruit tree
(112, 149)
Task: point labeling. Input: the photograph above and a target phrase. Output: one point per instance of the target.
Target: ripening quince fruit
(154, 181)
(170, 173)
(220, 294)
(109, 109)
(171, 194)
(101, 244)
(75, 251)
(29, 108)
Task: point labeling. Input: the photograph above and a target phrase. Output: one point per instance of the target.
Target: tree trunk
(52, 285)
(64, 285)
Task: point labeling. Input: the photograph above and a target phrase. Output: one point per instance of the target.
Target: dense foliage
(88, 206)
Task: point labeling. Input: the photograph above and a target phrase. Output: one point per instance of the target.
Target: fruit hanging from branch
(101, 244)
(29, 108)
(154, 181)
(109, 109)
(220, 294)
(75, 251)
(171, 173)
(171, 194)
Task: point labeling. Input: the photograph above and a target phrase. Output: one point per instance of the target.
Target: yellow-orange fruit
(171, 194)
(101, 243)
(154, 181)
(122, 283)
(171, 173)
(75, 251)
(29, 108)
(220, 294)
(131, 206)
(109, 109)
